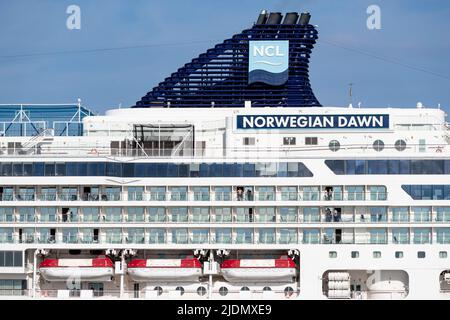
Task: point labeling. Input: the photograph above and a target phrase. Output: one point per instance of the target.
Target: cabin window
(289, 141)
(355, 254)
(443, 254)
(223, 291)
(332, 254)
(334, 145)
(421, 254)
(377, 254)
(311, 141)
(288, 291)
(11, 259)
(181, 289)
(398, 254)
(422, 145)
(378, 145)
(249, 141)
(201, 291)
(400, 145)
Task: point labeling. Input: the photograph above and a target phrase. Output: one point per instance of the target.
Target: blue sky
(413, 33)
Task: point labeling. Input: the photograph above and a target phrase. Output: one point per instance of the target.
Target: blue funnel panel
(267, 65)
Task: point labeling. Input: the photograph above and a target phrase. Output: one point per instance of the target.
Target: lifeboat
(254, 270)
(97, 269)
(165, 269)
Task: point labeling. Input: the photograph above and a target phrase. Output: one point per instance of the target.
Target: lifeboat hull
(164, 274)
(258, 274)
(73, 273)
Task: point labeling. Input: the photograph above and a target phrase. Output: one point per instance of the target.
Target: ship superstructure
(227, 186)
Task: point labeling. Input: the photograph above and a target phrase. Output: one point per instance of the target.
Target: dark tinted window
(38, 169)
(384, 166)
(428, 192)
(49, 169)
(282, 169)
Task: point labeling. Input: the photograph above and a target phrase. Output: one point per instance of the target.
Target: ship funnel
(262, 18)
(274, 18)
(304, 19)
(290, 18)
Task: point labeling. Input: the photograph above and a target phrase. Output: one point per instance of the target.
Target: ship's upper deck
(242, 133)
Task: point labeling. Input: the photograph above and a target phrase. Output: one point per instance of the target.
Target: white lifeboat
(254, 270)
(165, 269)
(97, 269)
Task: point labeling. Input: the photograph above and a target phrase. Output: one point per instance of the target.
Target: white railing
(84, 151)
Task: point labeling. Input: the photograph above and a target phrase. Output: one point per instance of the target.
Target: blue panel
(336, 121)
(57, 117)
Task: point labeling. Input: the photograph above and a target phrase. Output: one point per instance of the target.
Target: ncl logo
(268, 62)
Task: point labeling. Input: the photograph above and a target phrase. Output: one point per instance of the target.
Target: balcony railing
(199, 196)
(238, 218)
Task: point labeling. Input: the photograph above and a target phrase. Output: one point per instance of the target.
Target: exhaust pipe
(304, 19)
(262, 18)
(290, 18)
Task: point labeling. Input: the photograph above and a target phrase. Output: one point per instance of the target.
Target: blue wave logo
(268, 62)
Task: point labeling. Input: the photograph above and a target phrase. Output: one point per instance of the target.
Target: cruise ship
(228, 180)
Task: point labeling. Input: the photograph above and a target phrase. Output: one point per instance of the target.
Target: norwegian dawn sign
(333, 121)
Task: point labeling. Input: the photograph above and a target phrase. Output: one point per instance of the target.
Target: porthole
(159, 290)
(267, 289)
(378, 145)
(400, 145)
(245, 289)
(201, 291)
(181, 289)
(288, 291)
(223, 291)
(334, 145)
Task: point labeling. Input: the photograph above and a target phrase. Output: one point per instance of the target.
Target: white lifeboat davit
(97, 269)
(254, 270)
(165, 269)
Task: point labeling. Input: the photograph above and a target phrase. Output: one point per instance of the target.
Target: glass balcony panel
(222, 193)
(178, 193)
(288, 214)
(311, 236)
(135, 193)
(200, 236)
(158, 194)
(223, 236)
(157, 214)
(223, 214)
(443, 214)
(135, 214)
(400, 214)
(267, 236)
